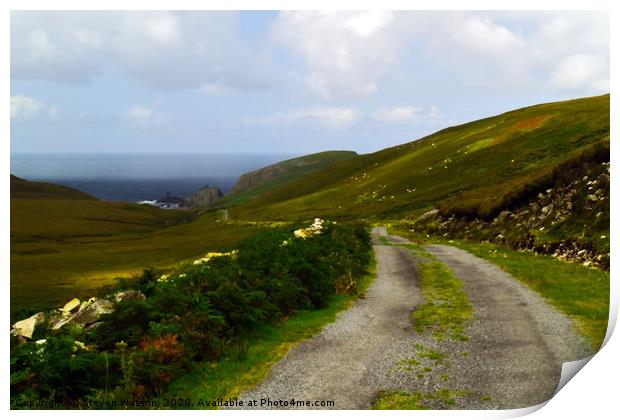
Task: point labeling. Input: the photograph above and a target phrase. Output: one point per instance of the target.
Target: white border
(591, 394)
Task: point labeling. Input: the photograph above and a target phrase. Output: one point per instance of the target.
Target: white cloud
(335, 55)
(484, 35)
(24, 108)
(330, 117)
(346, 53)
(398, 114)
(405, 114)
(164, 50)
(581, 71)
(164, 29)
(141, 117)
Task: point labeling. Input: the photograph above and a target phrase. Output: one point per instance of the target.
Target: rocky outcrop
(584, 199)
(86, 314)
(255, 178)
(207, 195)
(89, 312)
(290, 169)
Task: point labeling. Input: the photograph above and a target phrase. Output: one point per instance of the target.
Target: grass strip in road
(251, 359)
(399, 400)
(447, 308)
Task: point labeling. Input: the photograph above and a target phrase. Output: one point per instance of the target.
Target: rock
(581, 252)
(25, 327)
(92, 312)
(428, 215)
(72, 305)
(587, 264)
(592, 197)
(129, 295)
(87, 314)
(207, 195)
(312, 230)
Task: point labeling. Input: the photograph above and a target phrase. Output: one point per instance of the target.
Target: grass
(274, 176)
(247, 366)
(405, 180)
(400, 400)
(447, 308)
(63, 247)
(580, 292)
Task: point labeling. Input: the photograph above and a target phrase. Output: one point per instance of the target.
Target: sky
(286, 82)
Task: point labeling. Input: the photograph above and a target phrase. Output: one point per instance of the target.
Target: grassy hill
(65, 243)
(475, 168)
(23, 189)
(254, 184)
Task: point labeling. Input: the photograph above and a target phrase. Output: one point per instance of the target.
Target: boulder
(88, 314)
(25, 327)
(92, 312)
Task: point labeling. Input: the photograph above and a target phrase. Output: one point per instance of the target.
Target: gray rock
(92, 312)
(88, 314)
(25, 327)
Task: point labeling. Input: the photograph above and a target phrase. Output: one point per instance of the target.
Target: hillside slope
(475, 168)
(65, 243)
(21, 188)
(256, 183)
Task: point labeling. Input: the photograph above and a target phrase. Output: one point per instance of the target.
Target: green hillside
(472, 168)
(21, 188)
(254, 184)
(65, 243)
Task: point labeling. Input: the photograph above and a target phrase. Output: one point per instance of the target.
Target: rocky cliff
(207, 195)
(290, 169)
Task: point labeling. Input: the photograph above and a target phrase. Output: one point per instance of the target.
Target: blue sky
(291, 82)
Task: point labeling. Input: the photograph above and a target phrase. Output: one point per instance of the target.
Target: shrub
(198, 315)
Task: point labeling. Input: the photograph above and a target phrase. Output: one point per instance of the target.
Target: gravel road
(513, 358)
(517, 343)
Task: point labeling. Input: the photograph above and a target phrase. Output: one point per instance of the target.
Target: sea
(137, 177)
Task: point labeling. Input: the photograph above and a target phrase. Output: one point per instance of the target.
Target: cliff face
(252, 179)
(207, 195)
(290, 169)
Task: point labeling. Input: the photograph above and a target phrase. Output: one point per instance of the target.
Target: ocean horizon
(137, 177)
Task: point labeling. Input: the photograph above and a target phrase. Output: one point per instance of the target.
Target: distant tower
(167, 194)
